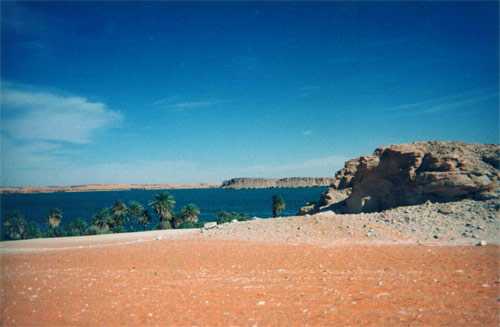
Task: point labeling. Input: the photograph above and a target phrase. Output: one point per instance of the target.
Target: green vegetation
(163, 204)
(77, 227)
(189, 224)
(138, 214)
(121, 217)
(54, 221)
(15, 227)
(227, 217)
(188, 216)
(100, 222)
(278, 205)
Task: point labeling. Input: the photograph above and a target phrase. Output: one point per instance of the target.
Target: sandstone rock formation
(238, 183)
(408, 174)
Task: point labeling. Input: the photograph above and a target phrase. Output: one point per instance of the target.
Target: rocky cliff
(408, 174)
(272, 182)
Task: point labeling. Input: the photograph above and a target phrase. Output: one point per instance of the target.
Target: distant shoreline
(243, 183)
(103, 188)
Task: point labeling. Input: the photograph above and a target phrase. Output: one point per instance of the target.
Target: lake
(253, 202)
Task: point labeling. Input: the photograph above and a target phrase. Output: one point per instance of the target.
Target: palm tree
(55, 217)
(15, 227)
(278, 205)
(54, 220)
(119, 213)
(77, 227)
(101, 222)
(163, 204)
(137, 212)
(144, 219)
(190, 213)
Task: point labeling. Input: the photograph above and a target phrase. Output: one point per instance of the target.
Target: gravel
(466, 221)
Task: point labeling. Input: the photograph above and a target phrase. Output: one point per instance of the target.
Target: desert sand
(204, 278)
(104, 187)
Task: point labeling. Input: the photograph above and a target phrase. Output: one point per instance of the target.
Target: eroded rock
(408, 174)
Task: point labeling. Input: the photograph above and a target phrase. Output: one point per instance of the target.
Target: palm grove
(122, 217)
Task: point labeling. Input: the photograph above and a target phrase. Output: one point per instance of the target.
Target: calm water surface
(253, 202)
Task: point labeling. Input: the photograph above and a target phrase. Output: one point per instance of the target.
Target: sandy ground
(104, 187)
(186, 278)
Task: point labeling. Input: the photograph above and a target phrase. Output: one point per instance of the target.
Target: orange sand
(234, 283)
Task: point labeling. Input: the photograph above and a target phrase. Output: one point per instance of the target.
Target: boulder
(408, 174)
(307, 209)
(210, 225)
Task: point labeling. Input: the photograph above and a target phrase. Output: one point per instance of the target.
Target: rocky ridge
(410, 174)
(245, 182)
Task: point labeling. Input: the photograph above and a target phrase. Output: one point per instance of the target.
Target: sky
(159, 92)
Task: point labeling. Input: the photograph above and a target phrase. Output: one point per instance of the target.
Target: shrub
(164, 224)
(278, 205)
(189, 224)
(97, 230)
(226, 217)
(33, 231)
(77, 227)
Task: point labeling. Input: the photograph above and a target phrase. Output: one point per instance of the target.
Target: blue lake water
(253, 202)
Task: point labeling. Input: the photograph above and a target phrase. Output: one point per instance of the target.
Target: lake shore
(104, 188)
(254, 184)
(325, 269)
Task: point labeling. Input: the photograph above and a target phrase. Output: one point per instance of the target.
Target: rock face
(271, 182)
(408, 174)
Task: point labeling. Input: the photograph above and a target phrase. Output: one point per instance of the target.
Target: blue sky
(178, 92)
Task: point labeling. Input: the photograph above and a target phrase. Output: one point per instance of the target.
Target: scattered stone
(445, 210)
(379, 295)
(210, 225)
(482, 243)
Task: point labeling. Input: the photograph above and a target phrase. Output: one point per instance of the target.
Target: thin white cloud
(41, 169)
(46, 116)
(307, 132)
(446, 103)
(173, 103)
(194, 104)
(40, 130)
